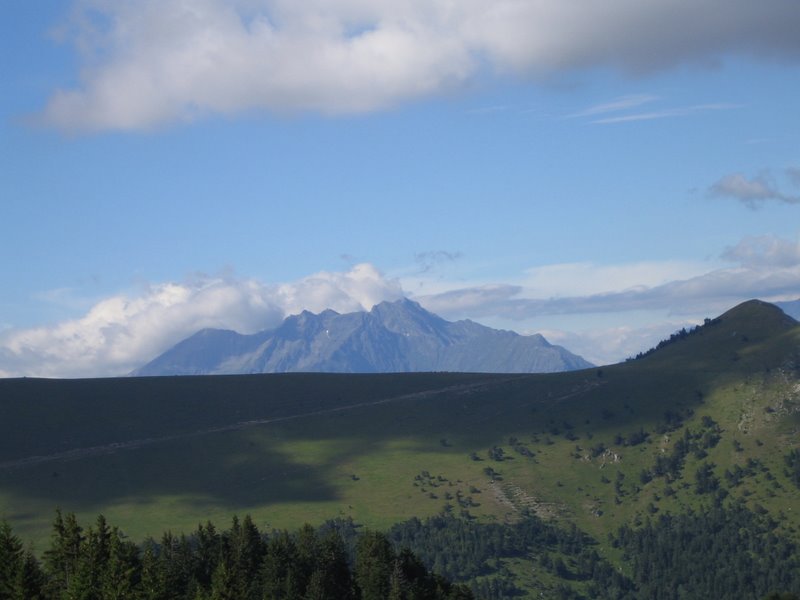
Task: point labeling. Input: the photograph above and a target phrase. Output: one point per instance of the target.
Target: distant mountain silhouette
(396, 336)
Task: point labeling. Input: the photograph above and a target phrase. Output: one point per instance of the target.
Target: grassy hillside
(598, 448)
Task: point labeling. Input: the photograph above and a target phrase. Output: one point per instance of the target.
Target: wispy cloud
(667, 113)
(429, 260)
(713, 291)
(755, 191)
(148, 63)
(487, 110)
(670, 294)
(620, 104)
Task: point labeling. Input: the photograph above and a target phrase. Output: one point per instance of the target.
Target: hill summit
(395, 337)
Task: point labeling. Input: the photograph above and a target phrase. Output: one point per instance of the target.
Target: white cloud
(586, 278)
(360, 288)
(551, 289)
(123, 332)
(764, 251)
(753, 192)
(458, 291)
(766, 268)
(474, 300)
(150, 62)
(705, 294)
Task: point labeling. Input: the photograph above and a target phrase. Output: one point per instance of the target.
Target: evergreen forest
(722, 552)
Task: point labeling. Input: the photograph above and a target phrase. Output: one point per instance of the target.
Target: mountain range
(398, 336)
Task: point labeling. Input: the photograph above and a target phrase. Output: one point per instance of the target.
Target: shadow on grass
(258, 465)
(296, 458)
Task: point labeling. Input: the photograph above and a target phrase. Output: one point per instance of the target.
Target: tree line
(678, 336)
(724, 550)
(241, 563)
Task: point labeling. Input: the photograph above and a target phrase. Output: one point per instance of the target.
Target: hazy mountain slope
(791, 308)
(393, 337)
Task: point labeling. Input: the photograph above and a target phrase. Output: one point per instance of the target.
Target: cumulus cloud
(150, 62)
(755, 191)
(123, 332)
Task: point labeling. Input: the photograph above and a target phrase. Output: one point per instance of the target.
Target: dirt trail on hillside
(91, 451)
(577, 390)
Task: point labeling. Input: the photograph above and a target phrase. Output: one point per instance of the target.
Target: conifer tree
(245, 551)
(122, 573)
(207, 553)
(332, 567)
(279, 568)
(91, 564)
(63, 557)
(151, 585)
(397, 582)
(306, 555)
(11, 557)
(30, 581)
(374, 564)
(223, 583)
(316, 589)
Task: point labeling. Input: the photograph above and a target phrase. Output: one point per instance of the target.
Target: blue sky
(601, 174)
